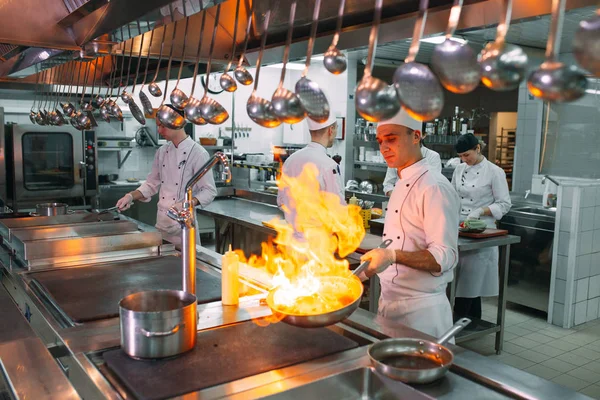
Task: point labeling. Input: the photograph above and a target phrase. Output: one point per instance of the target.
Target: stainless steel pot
(51, 209)
(158, 323)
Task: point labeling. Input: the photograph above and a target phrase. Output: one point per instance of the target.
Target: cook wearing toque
(422, 221)
(483, 191)
(174, 165)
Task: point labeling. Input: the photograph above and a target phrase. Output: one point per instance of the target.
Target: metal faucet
(187, 219)
(557, 183)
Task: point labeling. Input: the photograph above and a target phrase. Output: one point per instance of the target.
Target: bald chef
(322, 137)
(175, 163)
(422, 221)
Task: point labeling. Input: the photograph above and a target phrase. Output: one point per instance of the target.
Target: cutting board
(488, 233)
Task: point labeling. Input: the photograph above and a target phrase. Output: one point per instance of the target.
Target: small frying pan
(413, 360)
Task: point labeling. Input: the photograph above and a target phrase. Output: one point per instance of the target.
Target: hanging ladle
(126, 96)
(83, 121)
(286, 104)
(73, 121)
(226, 81)
(67, 106)
(179, 99)
(133, 107)
(455, 63)
(553, 80)
(418, 88)
(503, 65)
(87, 106)
(165, 114)
(99, 100)
(210, 109)
(51, 114)
(241, 73)
(333, 59)
(260, 110)
(375, 100)
(586, 44)
(40, 117)
(153, 87)
(192, 110)
(32, 113)
(57, 117)
(104, 108)
(311, 96)
(146, 104)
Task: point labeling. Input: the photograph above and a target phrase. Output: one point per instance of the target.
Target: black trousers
(467, 307)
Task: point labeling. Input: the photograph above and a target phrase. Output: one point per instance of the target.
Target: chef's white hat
(403, 119)
(315, 126)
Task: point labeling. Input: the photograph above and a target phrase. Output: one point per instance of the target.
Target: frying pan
(412, 360)
(354, 286)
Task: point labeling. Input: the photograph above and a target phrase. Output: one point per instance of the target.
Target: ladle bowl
(137, 113)
(227, 83)
(51, 115)
(75, 123)
(97, 102)
(261, 111)
(154, 89)
(104, 114)
(87, 106)
(68, 109)
(243, 76)
(287, 106)
(179, 99)
(57, 118)
(586, 44)
(212, 111)
(419, 91)
(313, 100)
(83, 121)
(146, 104)
(193, 112)
(456, 66)
(126, 97)
(32, 115)
(170, 118)
(555, 81)
(503, 66)
(335, 61)
(375, 100)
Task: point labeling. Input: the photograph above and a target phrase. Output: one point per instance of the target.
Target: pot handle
(160, 334)
(457, 327)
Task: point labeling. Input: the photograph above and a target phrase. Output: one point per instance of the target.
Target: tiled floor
(570, 357)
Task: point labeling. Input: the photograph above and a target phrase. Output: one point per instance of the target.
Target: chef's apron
(477, 270)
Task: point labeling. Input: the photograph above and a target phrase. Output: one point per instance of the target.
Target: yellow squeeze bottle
(230, 295)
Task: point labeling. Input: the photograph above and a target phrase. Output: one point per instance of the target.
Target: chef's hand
(379, 259)
(125, 202)
(475, 214)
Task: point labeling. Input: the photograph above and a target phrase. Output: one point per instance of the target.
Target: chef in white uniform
(175, 163)
(422, 221)
(484, 195)
(432, 158)
(322, 137)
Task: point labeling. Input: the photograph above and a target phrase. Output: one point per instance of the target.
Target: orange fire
(323, 231)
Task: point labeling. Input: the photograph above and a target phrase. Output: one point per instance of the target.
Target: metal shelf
(218, 147)
(380, 166)
(258, 167)
(120, 160)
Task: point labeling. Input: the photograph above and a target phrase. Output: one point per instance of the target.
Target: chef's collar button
(473, 185)
(163, 165)
(466, 172)
(173, 198)
(184, 152)
(398, 237)
(396, 211)
(385, 234)
(163, 198)
(478, 173)
(162, 181)
(180, 168)
(386, 209)
(176, 183)
(407, 185)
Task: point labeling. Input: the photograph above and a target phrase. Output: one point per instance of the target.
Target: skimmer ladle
(375, 100)
(418, 88)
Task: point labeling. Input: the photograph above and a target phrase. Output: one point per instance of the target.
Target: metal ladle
(375, 100)
(210, 109)
(83, 121)
(179, 99)
(261, 110)
(146, 104)
(310, 94)
(87, 106)
(333, 59)
(105, 107)
(57, 116)
(586, 44)
(32, 113)
(553, 80)
(166, 115)
(68, 107)
(241, 73)
(226, 81)
(73, 121)
(133, 107)
(286, 104)
(126, 96)
(192, 110)
(153, 87)
(418, 88)
(455, 63)
(503, 65)
(99, 100)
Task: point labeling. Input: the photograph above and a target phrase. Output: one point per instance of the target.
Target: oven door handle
(82, 167)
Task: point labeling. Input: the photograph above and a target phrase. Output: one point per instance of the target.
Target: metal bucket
(51, 209)
(158, 323)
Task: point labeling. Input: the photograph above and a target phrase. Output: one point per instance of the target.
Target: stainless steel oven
(46, 163)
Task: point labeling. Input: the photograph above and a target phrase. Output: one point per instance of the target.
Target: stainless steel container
(51, 209)
(158, 323)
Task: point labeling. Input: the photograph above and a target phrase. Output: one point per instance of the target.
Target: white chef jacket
(422, 214)
(480, 185)
(432, 158)
(329, 175)
(173, 167)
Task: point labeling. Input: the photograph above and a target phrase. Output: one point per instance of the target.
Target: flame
(322, 232)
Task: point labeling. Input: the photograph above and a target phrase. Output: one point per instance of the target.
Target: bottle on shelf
(455, 127)
(464, 126)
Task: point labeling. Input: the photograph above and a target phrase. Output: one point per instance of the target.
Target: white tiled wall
(576, 269)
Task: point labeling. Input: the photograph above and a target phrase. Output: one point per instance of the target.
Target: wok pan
(412, 360)
(352, 283)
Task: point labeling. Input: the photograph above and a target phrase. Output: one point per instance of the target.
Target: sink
(550, 212)
(360, 383)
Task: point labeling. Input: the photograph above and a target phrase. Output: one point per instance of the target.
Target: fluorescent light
(295, 66)
(440, 39)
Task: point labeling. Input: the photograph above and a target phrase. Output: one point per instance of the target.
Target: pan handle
(457, 327)
(150, 334)
(385, 244)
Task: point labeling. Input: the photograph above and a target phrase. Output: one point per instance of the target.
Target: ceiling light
(440, 39)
